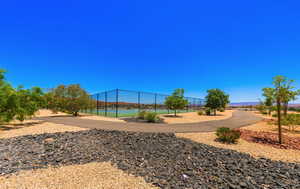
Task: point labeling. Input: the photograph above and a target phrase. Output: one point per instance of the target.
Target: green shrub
(141, 115)
(264, 113)
(222, 110)
(274, 115)
(200, 113)
(227, 135)
(208, 112)
(151, 117)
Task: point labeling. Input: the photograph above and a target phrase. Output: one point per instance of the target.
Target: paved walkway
(238, 119)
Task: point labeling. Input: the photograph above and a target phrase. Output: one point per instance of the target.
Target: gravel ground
(254, 149)
(193, 117)
(161, 159)
(88, 176)
(31, 128)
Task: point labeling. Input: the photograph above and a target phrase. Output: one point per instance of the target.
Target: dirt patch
(193, 117)
(92, 175)
(271, 139)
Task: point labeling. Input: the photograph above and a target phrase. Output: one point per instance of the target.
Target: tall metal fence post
(117, 102)
(155, 103)
(105, 104)
(139, 101)
(98, 104)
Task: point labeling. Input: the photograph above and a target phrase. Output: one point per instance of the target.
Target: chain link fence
(125, 103)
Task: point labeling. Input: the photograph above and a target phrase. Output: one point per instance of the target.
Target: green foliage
(282, 93)
(176, 101)
(200, 113)
(208, 111)
(291, 120)
(70, 99)
(141, 115)
(216, 99)
(151, 117)
(18, 103)
(227, 135)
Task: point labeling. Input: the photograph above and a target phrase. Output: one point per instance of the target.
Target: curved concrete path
(238, 119)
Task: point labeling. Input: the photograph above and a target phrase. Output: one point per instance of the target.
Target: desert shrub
(227, 135)
(208, 111)
(264, 113)
(274, 115)
(200, 113)
(291, 120)
(222, 110)
(151, 117)
(141, 115)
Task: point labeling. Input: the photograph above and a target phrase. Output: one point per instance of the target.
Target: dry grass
(193, 117)
(88, 176)
(254, 149)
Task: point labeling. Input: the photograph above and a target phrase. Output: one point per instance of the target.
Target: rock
(162, 159)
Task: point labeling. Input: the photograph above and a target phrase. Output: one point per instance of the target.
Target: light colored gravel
(46, 113)
(102, 118)
(88, 176)
(254, 149)
(193, 117)
(31, 128)
(267, 127)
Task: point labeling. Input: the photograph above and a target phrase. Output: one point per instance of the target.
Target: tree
(70, 99)
(176, 101)
(18, 103)
(216, 99)
(290, 96)
(283, 93)
(268, 93)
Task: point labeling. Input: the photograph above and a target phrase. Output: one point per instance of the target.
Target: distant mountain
(244, 103)
(256, 103)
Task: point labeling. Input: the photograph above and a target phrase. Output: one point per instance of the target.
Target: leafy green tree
(18, 103)
(216, 99)
(176, 101)
(268, 93)
(283, 93)
(70, 99)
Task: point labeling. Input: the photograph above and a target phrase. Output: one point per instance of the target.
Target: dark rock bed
(161, 159)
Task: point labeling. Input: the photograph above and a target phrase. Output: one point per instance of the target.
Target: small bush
(141, 115)
(151, 117)
(222, 110)
(200, 113)
(264, 113)
(227, 135)
(208, 112)
(274, 115)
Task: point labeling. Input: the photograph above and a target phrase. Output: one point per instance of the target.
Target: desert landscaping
(92, 168)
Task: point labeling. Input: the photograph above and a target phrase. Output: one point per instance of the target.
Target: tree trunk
(75, 114)
(286, 107)
(215, 112)
(279, 121)
(175, 113)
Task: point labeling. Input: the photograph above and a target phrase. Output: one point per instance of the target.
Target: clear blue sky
(156, 45)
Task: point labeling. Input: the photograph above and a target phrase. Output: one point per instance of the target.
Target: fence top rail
(142, 92)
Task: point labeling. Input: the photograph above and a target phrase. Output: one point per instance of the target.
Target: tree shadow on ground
(161, 159)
